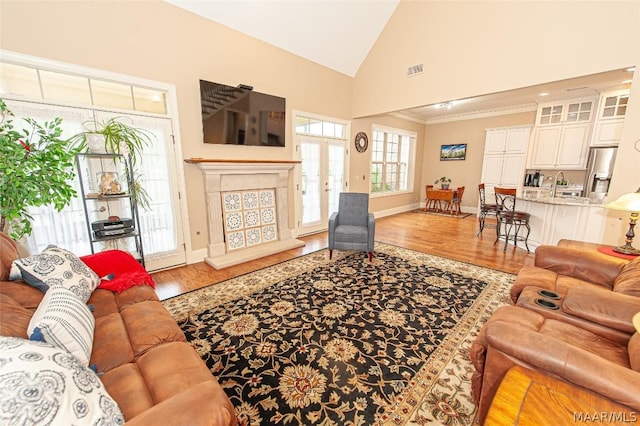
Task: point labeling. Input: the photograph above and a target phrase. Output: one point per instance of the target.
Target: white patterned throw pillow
(42, 384)
(57, 266)
(64, 321)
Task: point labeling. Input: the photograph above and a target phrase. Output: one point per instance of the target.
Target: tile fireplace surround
(241, 229)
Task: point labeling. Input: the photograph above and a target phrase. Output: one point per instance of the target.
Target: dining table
(440, 201)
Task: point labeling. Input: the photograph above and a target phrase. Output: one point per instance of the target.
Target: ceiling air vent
(415, 70)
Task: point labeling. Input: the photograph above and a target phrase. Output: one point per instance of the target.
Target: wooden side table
(527, 397)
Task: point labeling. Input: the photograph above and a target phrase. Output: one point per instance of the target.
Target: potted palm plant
(118, 137)
(444, 182)
(36, 169)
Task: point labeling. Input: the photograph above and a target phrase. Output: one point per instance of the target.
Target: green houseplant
(118, 136)
(36, 169)
(444, 182)
(115, 136)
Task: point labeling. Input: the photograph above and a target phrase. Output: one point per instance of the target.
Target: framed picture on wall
(453, 152)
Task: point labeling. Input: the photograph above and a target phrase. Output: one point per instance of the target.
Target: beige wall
(471, 48)
(465, 173)
(157, 41)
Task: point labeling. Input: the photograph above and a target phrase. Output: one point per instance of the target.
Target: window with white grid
(392, 151)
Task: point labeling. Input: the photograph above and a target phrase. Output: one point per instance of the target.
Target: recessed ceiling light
(627, 81)
(544, 94)
(631, 69)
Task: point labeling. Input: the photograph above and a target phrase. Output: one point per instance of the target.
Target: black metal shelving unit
(101, 209)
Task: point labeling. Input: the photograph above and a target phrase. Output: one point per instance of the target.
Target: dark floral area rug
(346, 341)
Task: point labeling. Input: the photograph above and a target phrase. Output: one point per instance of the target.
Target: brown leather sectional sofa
(140, 352)
(572, 320)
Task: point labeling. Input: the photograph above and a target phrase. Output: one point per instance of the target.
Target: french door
(323, 178)
(161, 225)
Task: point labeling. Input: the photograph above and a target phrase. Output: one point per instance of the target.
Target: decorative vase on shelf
(109, 184)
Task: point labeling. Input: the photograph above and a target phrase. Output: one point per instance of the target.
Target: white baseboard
(196, 256)
(396, 210)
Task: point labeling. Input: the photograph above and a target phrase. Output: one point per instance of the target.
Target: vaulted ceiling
(339, 34)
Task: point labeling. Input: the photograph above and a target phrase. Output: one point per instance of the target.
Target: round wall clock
(362, 142)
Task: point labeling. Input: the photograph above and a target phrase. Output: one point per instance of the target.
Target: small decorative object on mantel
(361, 141)
(444, 182)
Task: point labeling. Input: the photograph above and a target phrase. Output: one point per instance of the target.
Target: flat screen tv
(240, 116)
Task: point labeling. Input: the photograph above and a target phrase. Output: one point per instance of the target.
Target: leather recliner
(590, 333)
(608, 366)
(560, 268)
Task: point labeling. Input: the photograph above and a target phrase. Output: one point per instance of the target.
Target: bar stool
(509, 219)
(485, 210)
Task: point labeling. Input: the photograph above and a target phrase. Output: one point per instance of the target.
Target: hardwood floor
(443, 236)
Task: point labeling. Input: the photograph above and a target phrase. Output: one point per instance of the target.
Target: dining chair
(457, 200)
(509, 220)
(485, 210)
(430, 202)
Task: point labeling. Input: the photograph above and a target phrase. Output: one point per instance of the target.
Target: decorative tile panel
(235, 240)
(253, 236)
(233, 221)
(267, 198)
(249, 218)
(250, 200)
(269, 233)
(268, 216)
(231, 201)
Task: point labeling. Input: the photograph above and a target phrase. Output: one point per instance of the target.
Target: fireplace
(247, 209)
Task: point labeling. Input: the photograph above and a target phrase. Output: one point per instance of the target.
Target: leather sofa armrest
(572, 364)
(202, 405)
(602, 306)
(584, 264)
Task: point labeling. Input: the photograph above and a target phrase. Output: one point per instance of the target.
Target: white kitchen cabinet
(610, 118)
(568, 111)
(504, 158)
(506, 140)
(561, 136)
(562, 147)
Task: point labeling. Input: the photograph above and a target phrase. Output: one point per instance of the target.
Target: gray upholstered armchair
(352, 227)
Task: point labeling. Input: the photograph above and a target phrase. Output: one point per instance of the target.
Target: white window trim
(172, 113)
(411, 163)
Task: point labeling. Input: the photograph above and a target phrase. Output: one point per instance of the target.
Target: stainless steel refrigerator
(599, 170)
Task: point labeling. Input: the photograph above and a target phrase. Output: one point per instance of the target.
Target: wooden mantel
(198, 160)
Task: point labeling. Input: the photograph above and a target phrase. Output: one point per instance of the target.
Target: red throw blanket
(118, 270)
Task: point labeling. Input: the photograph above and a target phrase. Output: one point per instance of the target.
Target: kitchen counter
(556, 218)
(565, 201)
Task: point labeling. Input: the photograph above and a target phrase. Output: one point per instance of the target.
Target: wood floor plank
(449, 237)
